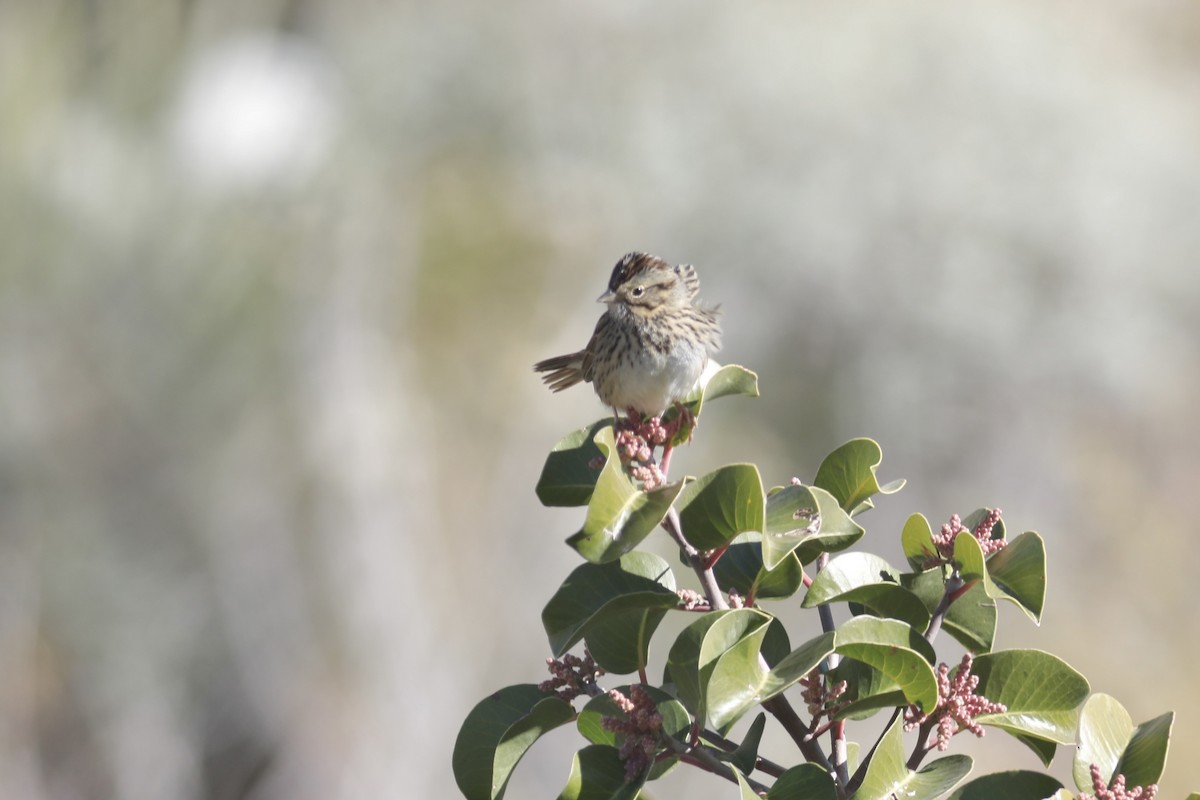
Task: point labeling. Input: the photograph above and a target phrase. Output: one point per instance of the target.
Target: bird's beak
(607, 297)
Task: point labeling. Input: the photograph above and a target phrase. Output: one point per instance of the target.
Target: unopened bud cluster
(636, 440)
(957, 705)
(641, 727)
(573, 676)
(819, 698)
(944, 539)
(1102, 791)
(691, 600)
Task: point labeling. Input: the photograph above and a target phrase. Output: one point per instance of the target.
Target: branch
(708, 581)
(955, 586)
(703, 758)
(837, 733)
(922, 747)
(779, 707)
(760, 763)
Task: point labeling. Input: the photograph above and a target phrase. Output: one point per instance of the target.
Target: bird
(650, 345)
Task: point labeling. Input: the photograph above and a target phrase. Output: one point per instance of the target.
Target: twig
(708, 581)
(779, 707)
(837, 732)
(760, 763)
(703, 758)
(954, 590)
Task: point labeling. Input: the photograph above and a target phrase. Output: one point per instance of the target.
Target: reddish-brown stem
(713, 556)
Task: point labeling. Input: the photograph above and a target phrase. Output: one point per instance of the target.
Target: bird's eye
(638, 291)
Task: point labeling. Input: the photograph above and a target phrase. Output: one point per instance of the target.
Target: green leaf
(803, 782)
(1042, 693)
(597, 773)
(571, 470)
(716, 670)
(968, 556)
(894, 649)
(746, 755)
(700, 646)
(619, 514)
(675, 722)
(1108, 739)
(917, 540)
(741, 568)
(1041, 748)
(717, 507)
(594, 595)
(868, 580)
(1012, 785)
(972, 617)
(938, 777)
(793, 512)
(1019, 572)
(727, 381)
(498, 732)
(1146, 754)
(745, 792)
(888, 776)
(848, 473)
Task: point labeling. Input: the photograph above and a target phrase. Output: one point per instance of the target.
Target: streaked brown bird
(652, 342)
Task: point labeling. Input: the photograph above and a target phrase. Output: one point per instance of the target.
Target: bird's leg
(665, 463)
(684, 419)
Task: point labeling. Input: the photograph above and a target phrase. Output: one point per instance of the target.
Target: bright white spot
(253, 110)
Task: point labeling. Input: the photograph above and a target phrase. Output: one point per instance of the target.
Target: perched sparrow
(651, 344)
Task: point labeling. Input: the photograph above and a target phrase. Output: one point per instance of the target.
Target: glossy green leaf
(1011, 785)
(719, 506)
(619, 515)
(572, 468)
(968, 556)
(594, 594)
(1042, 693)
(1018, 571)
(746, 754)
(868, 580)
(1108, 738)
(1146, 754)
(896, 650)
(675, 722)
(848, 473)
(745, 792)
(699, 647)
(1041, 748)
(741, 568)
(803, 782)
(498, 732)
(937, 777)
(888, 776)
(716, 670)
(972, 617)
(917, 540)
(807, 521)
(727, 381)
(597, 773)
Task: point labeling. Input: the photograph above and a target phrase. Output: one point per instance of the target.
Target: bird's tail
(561, 372)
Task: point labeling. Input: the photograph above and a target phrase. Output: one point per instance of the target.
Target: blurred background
(273, 274)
